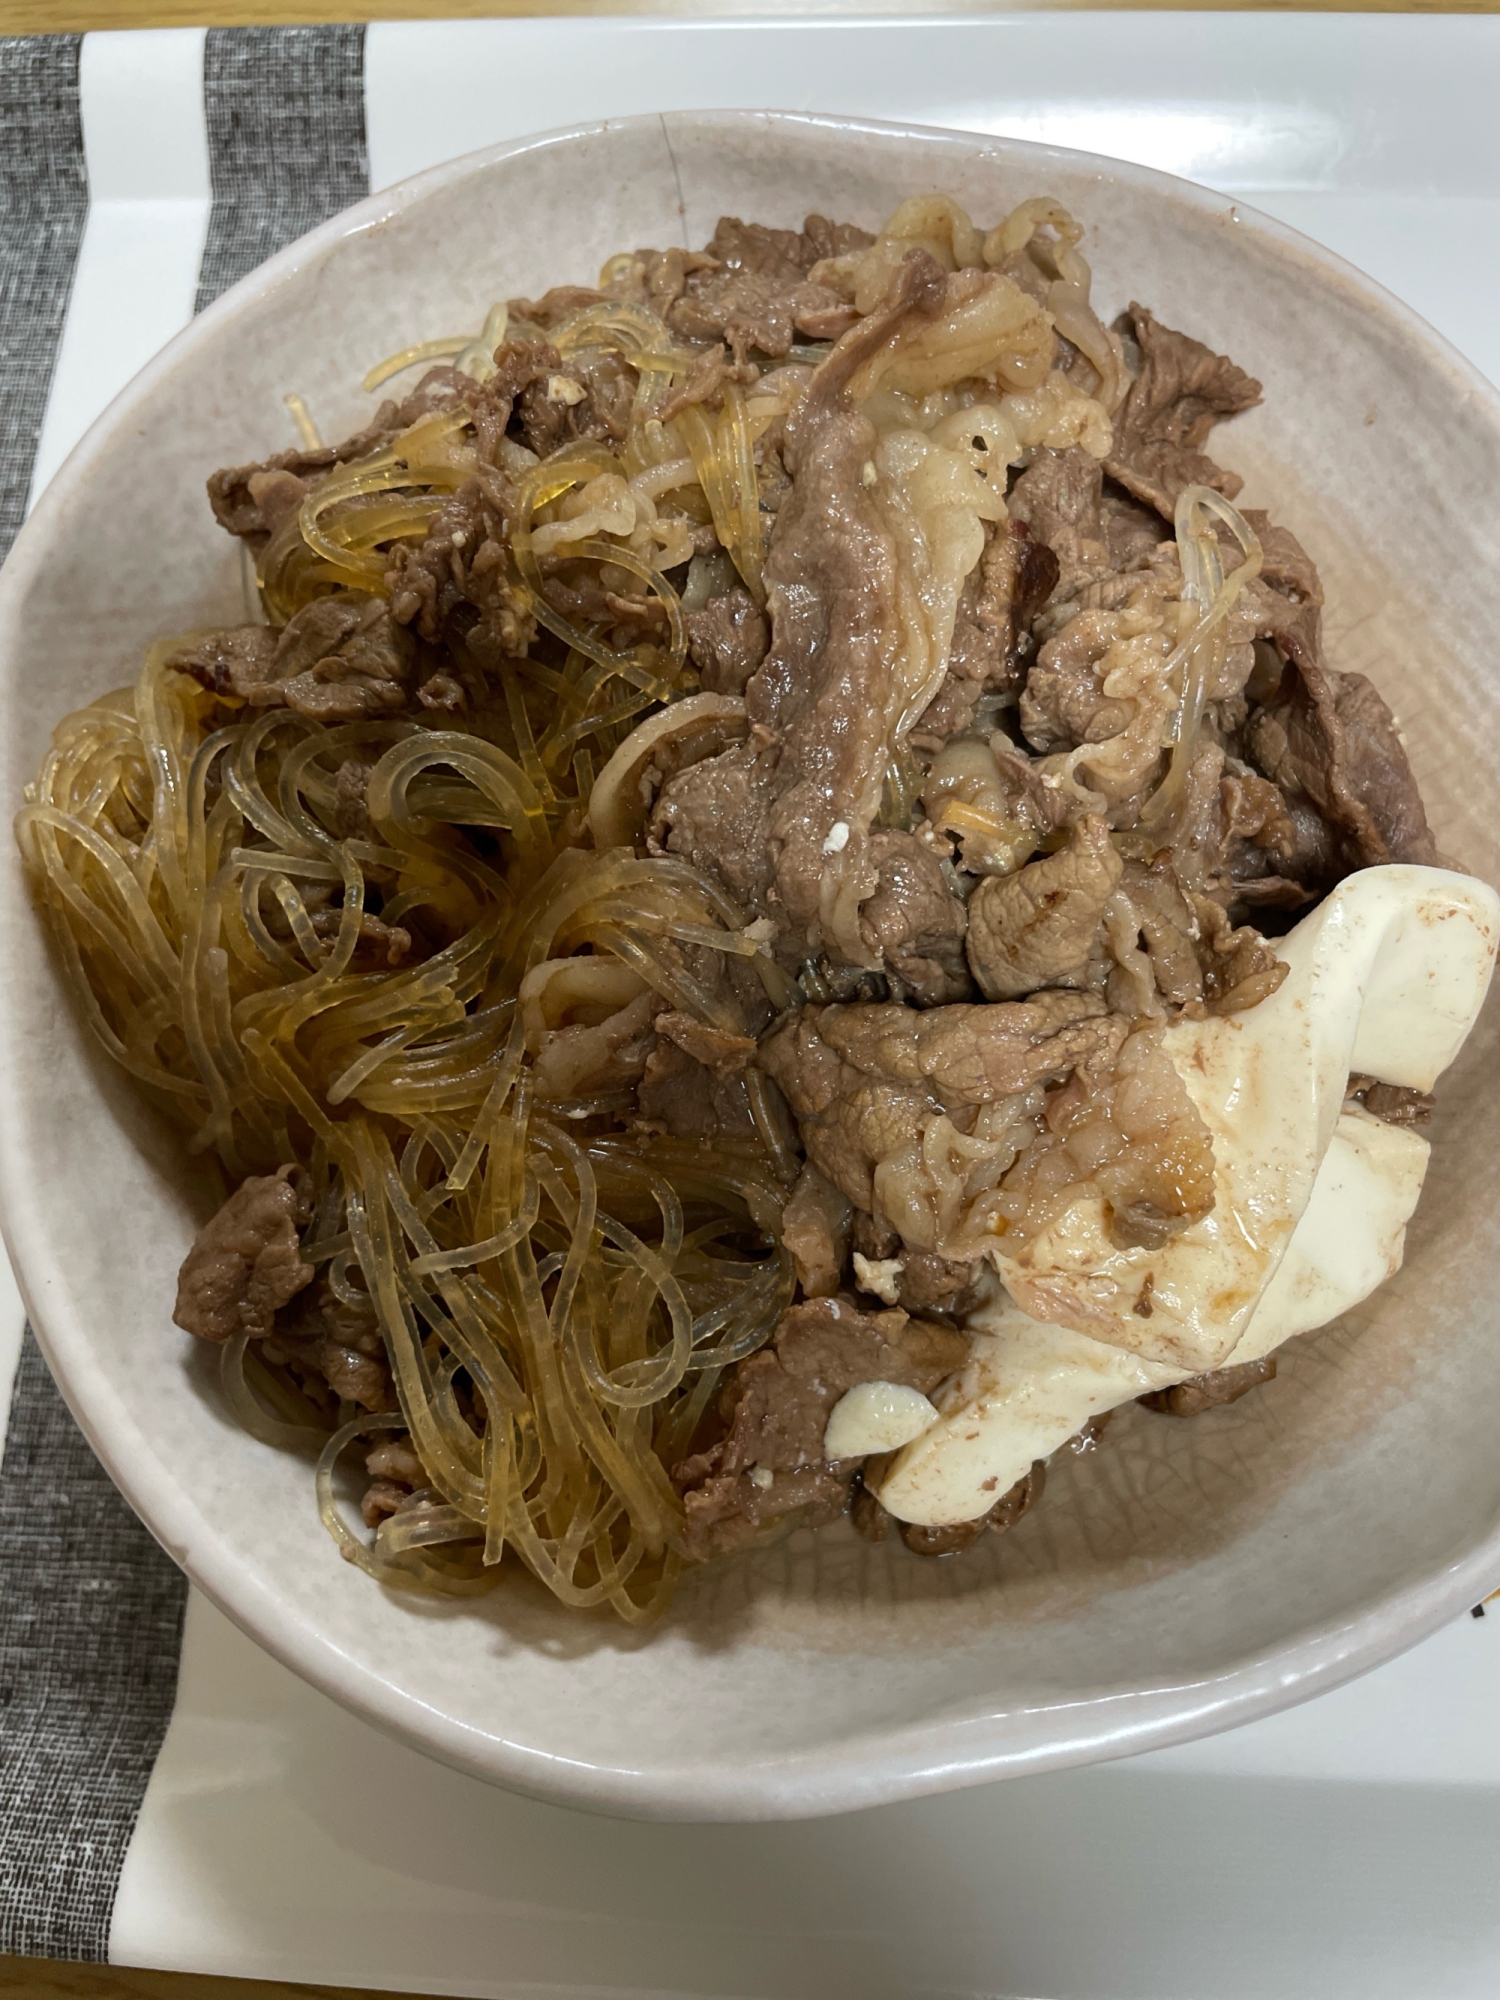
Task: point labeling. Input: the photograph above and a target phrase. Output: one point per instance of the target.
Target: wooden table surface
(43, 1979)
(29, 17)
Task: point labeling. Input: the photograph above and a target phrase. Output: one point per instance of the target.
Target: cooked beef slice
(1066, 702)
(1179, 392)
(927, 1283)
(1091, 533)
(238, 663)
(863, 1080)
(727, 640)
(1331, 746)
(584, 1060)
(340, 659)
(815, 1229)
(1199, 963)
(1123, 1129)
(252, 501)
(396, 1473)
(769, 1466)
(1036, 928)
(1209, 1392)
(752, 288)
(1010, 583)
(350, 816)
(960, 1535)
(1251, 837)
(545, 402)
(379, 946)
(246, 1262)
(1396, 1103)
(460, 567)
(964, 1055)
(334, 1346)
(914, 920)
(759, 817)
(683, 1097)
(554, 306)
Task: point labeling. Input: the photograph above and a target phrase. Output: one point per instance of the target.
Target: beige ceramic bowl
(1181, 1578)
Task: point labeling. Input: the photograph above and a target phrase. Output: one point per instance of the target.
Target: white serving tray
(1342, 1849)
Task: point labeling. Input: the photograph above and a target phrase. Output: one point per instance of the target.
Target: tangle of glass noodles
(557, 1301)
(558, 1294)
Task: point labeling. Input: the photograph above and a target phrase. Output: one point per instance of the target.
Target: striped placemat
(90, 1608)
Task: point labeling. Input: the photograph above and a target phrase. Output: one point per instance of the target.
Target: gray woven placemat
(90, 1608)
(44, 200)
(286, 141)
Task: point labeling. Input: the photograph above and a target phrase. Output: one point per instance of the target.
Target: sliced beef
(914, 921)
(546, 402)
(1253, 840)
(1059, 499)
(1179, 392)
(350, 816)
(252, 501)
(461, 567)
(1092, 530)
(1396, 1103)
(727, 640)
(378, 948)
(964, 1055)
(1037, 928)
(706, 380)
(1010, 583)
(339, 659)
(1211, 1391)
(864, 1081)
(685, 1098)
(783, 819)
(752, 247)
(753, 288)
(554, 306)
(1331, 745)
(246, 1263)
(715, 813)
(1199, 962)
(333, 1346)
(815, 1229)
(239, 663)
(927, 1283)
(960, 1535)
(584, 1060)
(396, 1475)
(1099, 682)
(769, 1466)
(342, 659)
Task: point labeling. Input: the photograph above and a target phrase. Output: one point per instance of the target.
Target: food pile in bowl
(775, 910)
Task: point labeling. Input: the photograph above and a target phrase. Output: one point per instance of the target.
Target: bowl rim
(857, 1771)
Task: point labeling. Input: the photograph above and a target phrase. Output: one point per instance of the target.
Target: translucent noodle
(554, 1300)
(413, 357)
(723, 455)
(1200, 511)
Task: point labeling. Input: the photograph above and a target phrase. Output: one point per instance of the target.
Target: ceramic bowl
(1178, 1579)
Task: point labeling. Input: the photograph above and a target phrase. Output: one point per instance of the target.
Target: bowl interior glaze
(1176, 1579)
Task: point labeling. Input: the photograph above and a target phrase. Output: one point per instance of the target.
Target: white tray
(1342, 1849)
